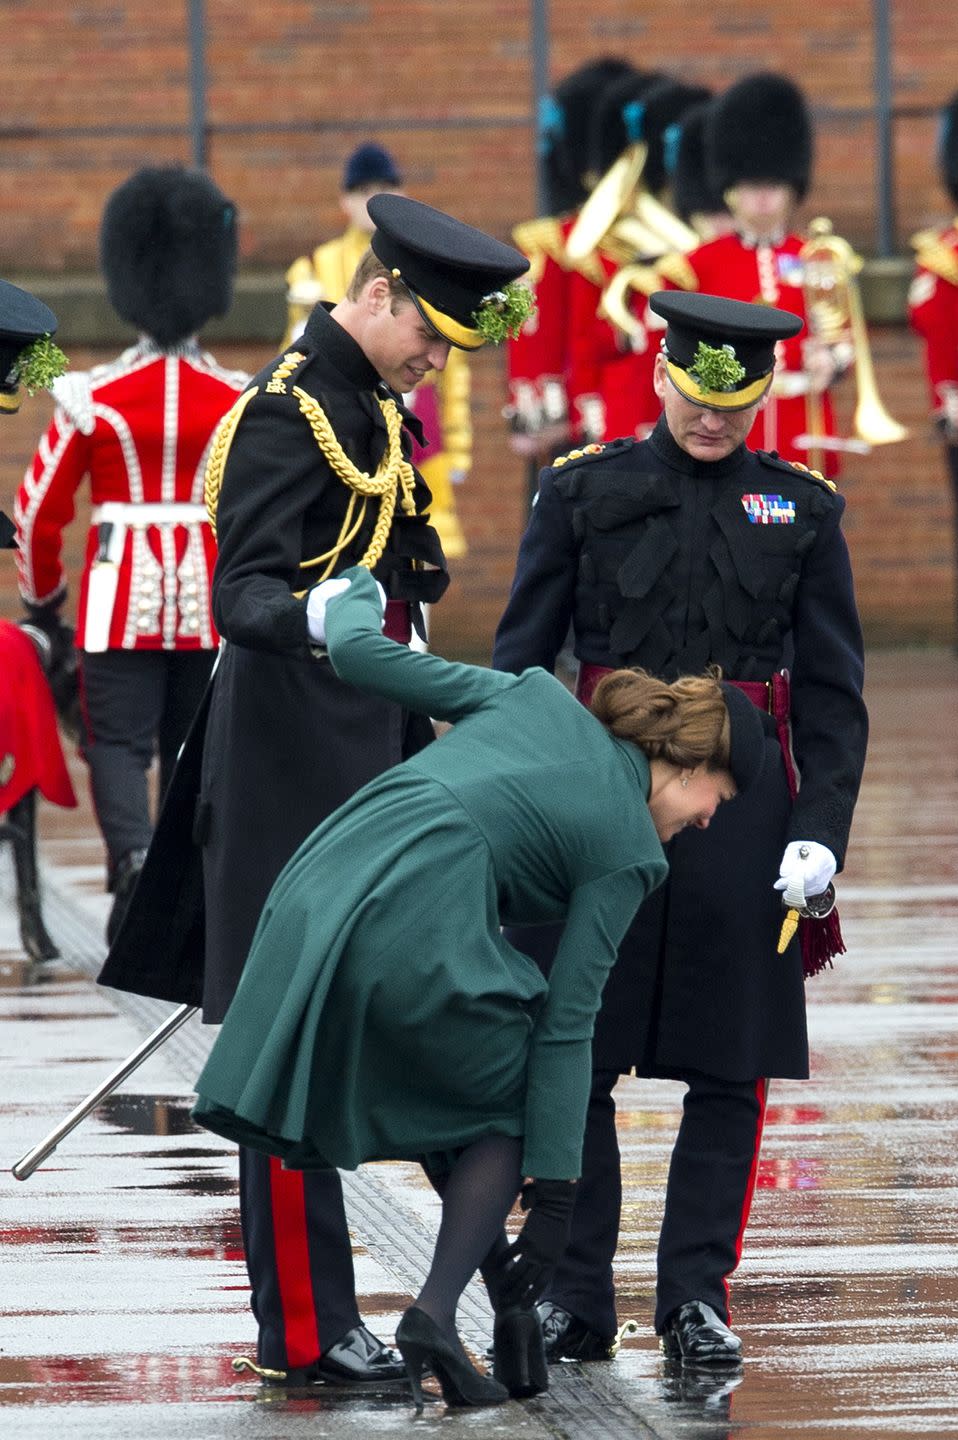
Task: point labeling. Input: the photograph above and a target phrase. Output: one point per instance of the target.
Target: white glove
(318, 599)
(806, 870)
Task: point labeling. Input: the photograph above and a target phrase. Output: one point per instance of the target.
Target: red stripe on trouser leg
(761, 1095)
(288, 1200)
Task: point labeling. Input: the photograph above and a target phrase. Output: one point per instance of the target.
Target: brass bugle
(29, 1162)
(614, 304)
(665, 223)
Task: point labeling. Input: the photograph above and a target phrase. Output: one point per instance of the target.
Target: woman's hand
(540, 1244)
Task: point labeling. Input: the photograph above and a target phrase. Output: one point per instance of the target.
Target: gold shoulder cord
(393, 474)
(216, 463)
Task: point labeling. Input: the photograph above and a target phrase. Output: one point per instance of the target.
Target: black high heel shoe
(518, 1352)
(423, 1346)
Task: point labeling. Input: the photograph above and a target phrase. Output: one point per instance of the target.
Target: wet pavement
(123, 1295)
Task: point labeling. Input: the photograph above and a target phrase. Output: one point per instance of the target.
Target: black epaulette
(772, 457)
(277, 382)
(589, 452)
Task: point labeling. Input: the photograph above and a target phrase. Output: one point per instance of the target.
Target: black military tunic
(670, 563)
(280, 742)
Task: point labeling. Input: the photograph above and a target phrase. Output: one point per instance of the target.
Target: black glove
(540, 1244)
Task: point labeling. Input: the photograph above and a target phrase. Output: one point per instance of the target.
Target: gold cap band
(451, 330)
(717, 399)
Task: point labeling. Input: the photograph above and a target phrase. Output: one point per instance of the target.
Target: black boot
(519, 1357)
(122, 883)
(21, 820)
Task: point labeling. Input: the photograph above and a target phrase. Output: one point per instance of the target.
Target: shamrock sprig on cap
(502, 313)
(40, 364)
(716, 368)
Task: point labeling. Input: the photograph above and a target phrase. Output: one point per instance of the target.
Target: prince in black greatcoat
(669, 560)
(308, 475)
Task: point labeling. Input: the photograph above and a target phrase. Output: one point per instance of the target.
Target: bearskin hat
(665, 106)
(565, 120)
(617, 118)
(693, 192)
(948, 147)
(168, 251)
(760, 129)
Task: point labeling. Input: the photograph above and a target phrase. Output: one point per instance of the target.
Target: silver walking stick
(26, 1165)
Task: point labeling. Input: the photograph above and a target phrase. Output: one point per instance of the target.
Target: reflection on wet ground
(123, 1290)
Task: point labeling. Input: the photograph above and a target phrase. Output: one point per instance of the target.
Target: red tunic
(140, 428)
(933, 311)
(605, 363)
(769, 275)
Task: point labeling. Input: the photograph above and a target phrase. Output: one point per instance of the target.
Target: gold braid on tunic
(394, 475)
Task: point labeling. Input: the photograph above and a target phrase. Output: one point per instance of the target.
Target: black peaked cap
(23, 319)
(747, 737)
(448, 267)
(749, 330)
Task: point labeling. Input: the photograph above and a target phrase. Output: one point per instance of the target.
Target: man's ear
(377, 295)
(660, 378)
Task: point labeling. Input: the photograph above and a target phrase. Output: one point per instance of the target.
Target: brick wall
(447, 87)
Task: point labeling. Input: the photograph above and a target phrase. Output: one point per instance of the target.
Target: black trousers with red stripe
(707, 1202)
(299, 1258)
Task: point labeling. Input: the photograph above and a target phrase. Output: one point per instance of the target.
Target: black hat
(664, 106)
(564, 130)
(720, 353)
(23, 319)
(760, 129)
(693, 191)
(948, 147)
(747, 735)
(168, 251)
(451, 270)
(617, 117)
(370, 164)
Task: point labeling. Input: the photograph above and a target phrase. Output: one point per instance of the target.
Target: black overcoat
(280, 741)
(662, 561)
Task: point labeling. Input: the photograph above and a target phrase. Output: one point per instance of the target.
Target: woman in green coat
(382, 1015)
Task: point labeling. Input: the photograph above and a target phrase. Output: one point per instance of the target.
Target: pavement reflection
(122, 1286)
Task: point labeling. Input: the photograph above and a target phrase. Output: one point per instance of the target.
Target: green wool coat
(381, 1014)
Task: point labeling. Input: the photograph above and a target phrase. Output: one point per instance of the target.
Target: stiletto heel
(518, 1350)
(421, 1343)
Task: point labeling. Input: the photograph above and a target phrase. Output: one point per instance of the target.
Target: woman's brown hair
(685, 722)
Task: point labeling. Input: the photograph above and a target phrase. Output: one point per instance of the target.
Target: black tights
(477, 1194)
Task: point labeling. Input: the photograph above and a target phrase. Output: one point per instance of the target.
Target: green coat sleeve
(559, 1076)
(364, 657)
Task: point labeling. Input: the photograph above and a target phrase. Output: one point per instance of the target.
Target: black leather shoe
(357, 1359)
(566, 1337)
(695, 1335)
(519, 1360)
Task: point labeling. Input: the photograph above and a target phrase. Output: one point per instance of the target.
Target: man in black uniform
(308, 474)
(675, 553)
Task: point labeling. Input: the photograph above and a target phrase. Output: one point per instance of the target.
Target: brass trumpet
(835, 314)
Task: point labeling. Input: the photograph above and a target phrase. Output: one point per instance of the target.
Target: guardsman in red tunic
(31, 756)
(933, 305)
(138, 429)
(539, 358)
(758, 142)
(610, 379)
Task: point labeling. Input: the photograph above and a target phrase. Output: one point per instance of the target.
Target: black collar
(337, 346)
(670, 453)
